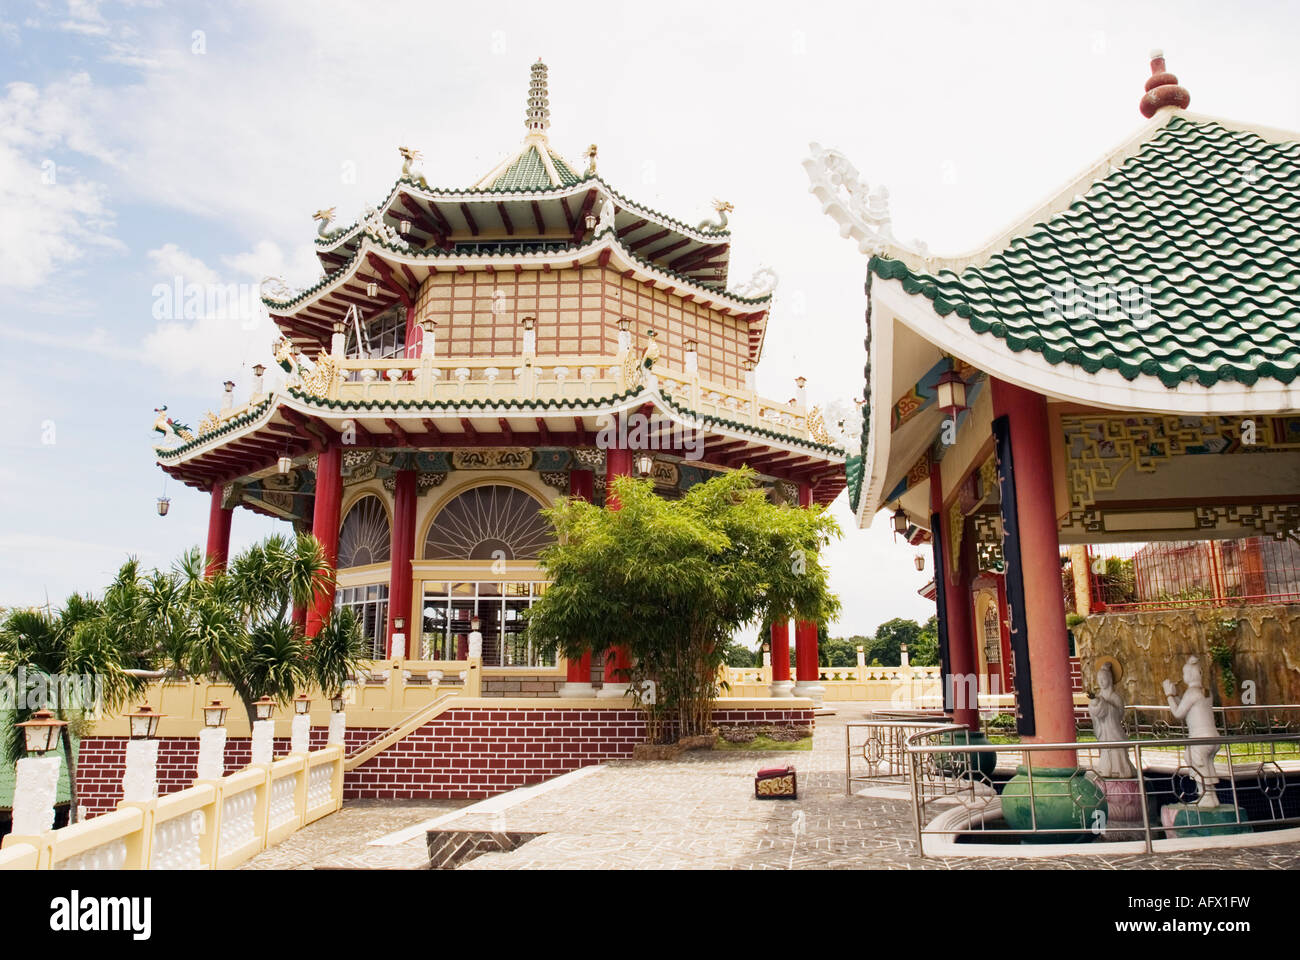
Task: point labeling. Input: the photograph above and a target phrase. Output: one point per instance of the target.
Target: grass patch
(765, 743)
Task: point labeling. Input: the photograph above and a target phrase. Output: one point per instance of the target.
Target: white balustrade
(282, 792)
(320, 783)
(106, 856)
(237, 816)
(176, 843)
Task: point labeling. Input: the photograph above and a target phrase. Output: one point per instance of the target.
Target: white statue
(1198, 710)
(606, 221)
(1107, 710)
(475, 640)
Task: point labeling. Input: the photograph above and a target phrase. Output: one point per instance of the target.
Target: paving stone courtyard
(696, 812)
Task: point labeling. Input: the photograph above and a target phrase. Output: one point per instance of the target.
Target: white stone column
(140, 782)
(36, 785)
(300, 735)
(212, 753)
(263, 745)
(338, 728)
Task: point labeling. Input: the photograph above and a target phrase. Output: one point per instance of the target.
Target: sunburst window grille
(491, 522)
(365, 537)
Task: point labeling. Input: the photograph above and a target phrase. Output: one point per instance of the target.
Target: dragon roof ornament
(761, 284)
(861, 212)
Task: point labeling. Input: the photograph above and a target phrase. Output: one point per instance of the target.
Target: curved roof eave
(485, 195)
(1108, 389)
(606, 240)
(294, 399)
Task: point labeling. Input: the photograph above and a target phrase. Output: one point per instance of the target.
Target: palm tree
(236, 623)
(77, 664)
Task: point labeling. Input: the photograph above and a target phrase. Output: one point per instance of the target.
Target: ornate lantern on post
(41, 732)
(144, 722)
(300, 735)
(36, 776)
(263, 745)
(214, 714)
(140, 778)
(212, 742)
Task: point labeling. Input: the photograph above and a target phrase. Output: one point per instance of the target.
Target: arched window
(491, 522)
(365, 537)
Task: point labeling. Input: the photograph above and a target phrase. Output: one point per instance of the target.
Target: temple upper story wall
(577, 312)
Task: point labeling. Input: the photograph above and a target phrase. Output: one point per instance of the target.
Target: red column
(618, 463)
(325, 528)
(805, 631)
(218, 533)
(805, 651)
(403, 550)
(957, 609)
(1049, 650)
(780, 650)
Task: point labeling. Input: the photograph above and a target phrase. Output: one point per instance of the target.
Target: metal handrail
(917, 750)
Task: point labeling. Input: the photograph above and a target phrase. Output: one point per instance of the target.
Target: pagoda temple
(469, 355)
(1118, 367)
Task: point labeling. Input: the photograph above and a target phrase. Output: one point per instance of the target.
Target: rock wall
(1152, 646)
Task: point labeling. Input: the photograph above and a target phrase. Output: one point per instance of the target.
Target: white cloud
(211, 322)
(170, 261)
(52, 216)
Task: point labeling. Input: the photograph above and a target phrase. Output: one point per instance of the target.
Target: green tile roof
(528, 172)
(1204, 220)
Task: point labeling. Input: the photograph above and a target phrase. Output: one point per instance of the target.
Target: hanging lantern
(214, 714)
(951, 393)
(900, 520)
(591, 221)
(41, 732)
(262, 708)
(919, 560)
(645, 463)
(284, 465)
(164, 504)
(302, 705)
(372, 289)
(144, 722)
(404, 227)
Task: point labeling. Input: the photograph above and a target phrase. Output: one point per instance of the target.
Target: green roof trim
(233, 424)
(341, 234)
(1195, 239)
(467, 405)
(504, 255)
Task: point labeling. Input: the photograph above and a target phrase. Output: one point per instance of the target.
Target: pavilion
(469, 355)
(1119, 366)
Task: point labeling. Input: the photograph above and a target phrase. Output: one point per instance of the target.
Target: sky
(144, 141)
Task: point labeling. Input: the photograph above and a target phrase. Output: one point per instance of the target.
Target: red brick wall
(466, 753)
